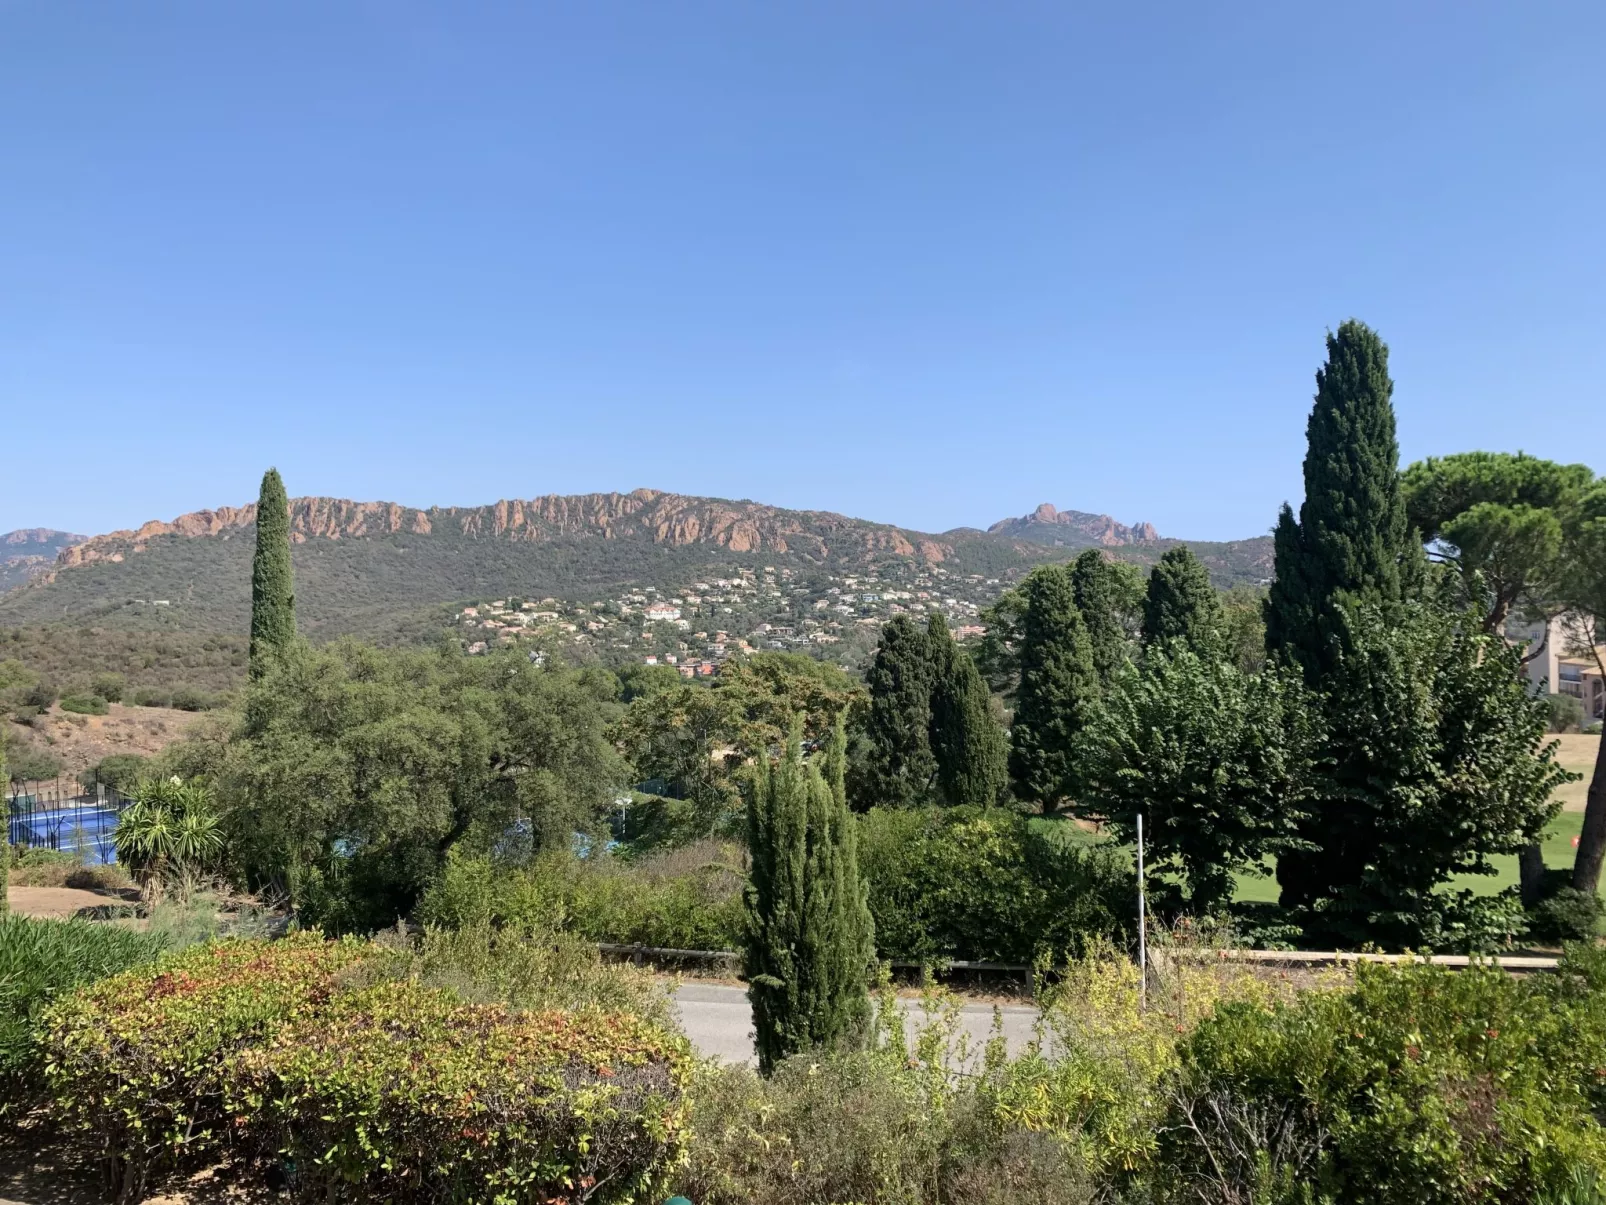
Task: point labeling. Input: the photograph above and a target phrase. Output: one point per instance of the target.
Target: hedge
(363, 1090)
(400, 1093)
(139, 1059)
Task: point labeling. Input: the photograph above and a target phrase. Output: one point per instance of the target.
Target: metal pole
(1143, 941)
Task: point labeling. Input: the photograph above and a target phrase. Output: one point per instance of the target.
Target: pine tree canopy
(810, 937)
(273, 608)
(1351, 538)
(1499, 519)
(1181, 604)
(1058, 684)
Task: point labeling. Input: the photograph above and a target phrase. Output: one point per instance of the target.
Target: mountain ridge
(367, 567)
(30, 551)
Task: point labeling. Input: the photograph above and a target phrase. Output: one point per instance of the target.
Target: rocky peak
(662, 518)
(1095, 529)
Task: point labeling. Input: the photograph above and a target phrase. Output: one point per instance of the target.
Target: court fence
(67, 815)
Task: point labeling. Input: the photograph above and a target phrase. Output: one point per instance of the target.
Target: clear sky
(930, 263)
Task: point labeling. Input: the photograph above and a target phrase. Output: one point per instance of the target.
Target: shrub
(40, 694)
(1566, 713)
(29, 763)
(518, 967)
(109, 687)
(84, 704)
(150, 696)
(689, 899)
(139, 1059)
(904, 1122)
(171, 828)
(120, 771)
(1566, 915)
(981, 884)
(188, 698)
(39, 961)
(404, 1094)
(1418, 1085)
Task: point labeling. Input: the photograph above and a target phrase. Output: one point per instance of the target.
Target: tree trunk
(1531, 872)
(1592, 841)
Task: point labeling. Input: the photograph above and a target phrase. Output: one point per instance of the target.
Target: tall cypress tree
(273, 605)
(1102, 596)
(899, 768)
(1350, 545)
(1350, 540)
(810, 938)
(972, 757)
(1181, 604)
(1058, 685)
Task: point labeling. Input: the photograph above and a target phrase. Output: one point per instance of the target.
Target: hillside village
(697, 625)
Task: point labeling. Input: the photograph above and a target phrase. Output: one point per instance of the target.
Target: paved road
(719, 1022)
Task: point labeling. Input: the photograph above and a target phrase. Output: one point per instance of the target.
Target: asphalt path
(719, 1022)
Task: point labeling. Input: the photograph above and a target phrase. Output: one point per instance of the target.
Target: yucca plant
(169, 829)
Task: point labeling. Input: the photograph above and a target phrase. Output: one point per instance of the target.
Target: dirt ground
(82, 740)
(65, 901)
(1577, 753)
(40, 1167)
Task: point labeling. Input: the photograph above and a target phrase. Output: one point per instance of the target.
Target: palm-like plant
(170, 828)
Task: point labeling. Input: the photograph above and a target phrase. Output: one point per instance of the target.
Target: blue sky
(930, 263)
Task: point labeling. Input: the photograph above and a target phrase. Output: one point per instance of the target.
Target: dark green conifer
(1058, 685)
(898, 769)
(273, 606)
(810, 939)
(1351, 539)
(1181, 604)
(1103, 598)
(967, 743)
(1350, 546)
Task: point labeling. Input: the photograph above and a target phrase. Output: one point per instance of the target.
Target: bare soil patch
(59, 902)
(39, 1165)
(81, 741)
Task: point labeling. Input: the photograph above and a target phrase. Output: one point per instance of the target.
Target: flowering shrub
(400, 1093)
(139, 1059)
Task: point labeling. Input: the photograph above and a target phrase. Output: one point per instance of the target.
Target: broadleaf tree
(1220, 764)
(1583, 591)
(1435, 762)
(1500, 520)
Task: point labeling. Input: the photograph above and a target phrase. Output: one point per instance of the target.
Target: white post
(1143, 937)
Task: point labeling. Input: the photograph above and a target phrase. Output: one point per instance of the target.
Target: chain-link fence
(65, 814)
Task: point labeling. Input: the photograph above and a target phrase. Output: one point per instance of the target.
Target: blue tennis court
(82, 825)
